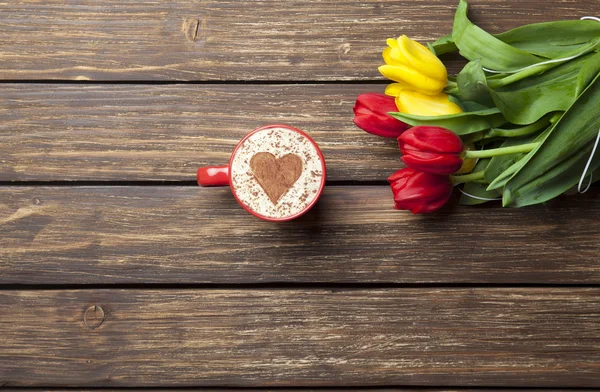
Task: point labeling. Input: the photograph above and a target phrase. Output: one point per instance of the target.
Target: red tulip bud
(431, 149)
(370, 111)
(419, 192)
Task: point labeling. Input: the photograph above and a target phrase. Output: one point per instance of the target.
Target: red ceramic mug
(276, 173)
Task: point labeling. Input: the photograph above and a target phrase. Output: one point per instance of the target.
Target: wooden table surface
(117, 271)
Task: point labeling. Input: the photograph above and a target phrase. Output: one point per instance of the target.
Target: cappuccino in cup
(277, 172)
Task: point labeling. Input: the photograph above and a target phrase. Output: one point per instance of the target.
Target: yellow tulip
(394, 89)
(413, 66)
(414, 102)
(468, 163)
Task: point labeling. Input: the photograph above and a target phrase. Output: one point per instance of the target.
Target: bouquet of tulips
(520, 122)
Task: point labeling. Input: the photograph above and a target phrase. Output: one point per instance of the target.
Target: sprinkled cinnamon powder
(279, 142)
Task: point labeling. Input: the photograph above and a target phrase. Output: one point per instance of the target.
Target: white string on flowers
(587, 166)
(543, 62)
(533, 65)
(477, 197)
(473, 196)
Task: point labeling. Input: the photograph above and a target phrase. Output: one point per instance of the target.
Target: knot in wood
(343, 52)
(190, 28)
(93, 317)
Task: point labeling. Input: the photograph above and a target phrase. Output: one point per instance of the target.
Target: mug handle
(213, 176)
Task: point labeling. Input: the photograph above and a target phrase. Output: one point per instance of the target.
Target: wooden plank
(232, 39)
(302, 389)
(158, 132)
(460, 337)
(102, 235)
(305, 389)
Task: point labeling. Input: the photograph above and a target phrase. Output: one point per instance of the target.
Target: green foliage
(477, 189)
(462, 123)
(558, 162)
(549, 92)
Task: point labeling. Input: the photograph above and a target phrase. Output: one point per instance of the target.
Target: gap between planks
(385, 388)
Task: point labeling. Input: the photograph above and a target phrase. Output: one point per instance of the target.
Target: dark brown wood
(459, 337)
(101, 235)
(232, 39)
(306, 389)
(311, 324)
(135, 132)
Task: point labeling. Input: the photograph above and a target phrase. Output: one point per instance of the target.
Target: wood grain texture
(102, 235)
(135, 132)
(234, 40)
(303, 389)
(459, 337)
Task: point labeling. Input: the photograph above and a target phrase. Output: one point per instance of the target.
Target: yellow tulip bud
(414, 102)
(468, 163)
(412, 64)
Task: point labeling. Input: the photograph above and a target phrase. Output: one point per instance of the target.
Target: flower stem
(451, 88)
(450, 84)
(500, 151)
(497, 83)
(542, 123)
(467, 177)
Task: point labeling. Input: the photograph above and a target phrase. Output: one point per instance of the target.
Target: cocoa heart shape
(276, 175)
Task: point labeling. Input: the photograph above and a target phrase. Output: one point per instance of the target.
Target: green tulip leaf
(588, 72)
(475, 43)
(529, 99)
(563, 32)
(472, 84)
(554, 182)
(496, 81)
(468, 106)
(557, 163)
(461, 123)
(548, 39)
(556, 52)
(552, 39)
(499, 164)
(476, 189)
(443, 45)
(502, 179)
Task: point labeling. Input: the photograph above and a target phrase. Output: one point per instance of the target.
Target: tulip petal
(391, 54)
(392, 42)
(371, 114)
(431, 139)
(394, 89)
(410, 62)
(387, 57)
(416, 103)
(412, 77)
(419, 192)
(397, 57)
(419, 57)
(433, 163)
(397, 175)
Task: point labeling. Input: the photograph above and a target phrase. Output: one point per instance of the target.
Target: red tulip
(431, 149)
(370, 114)
(419, 192)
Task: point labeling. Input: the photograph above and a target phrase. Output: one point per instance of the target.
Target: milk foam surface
(279, 142)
